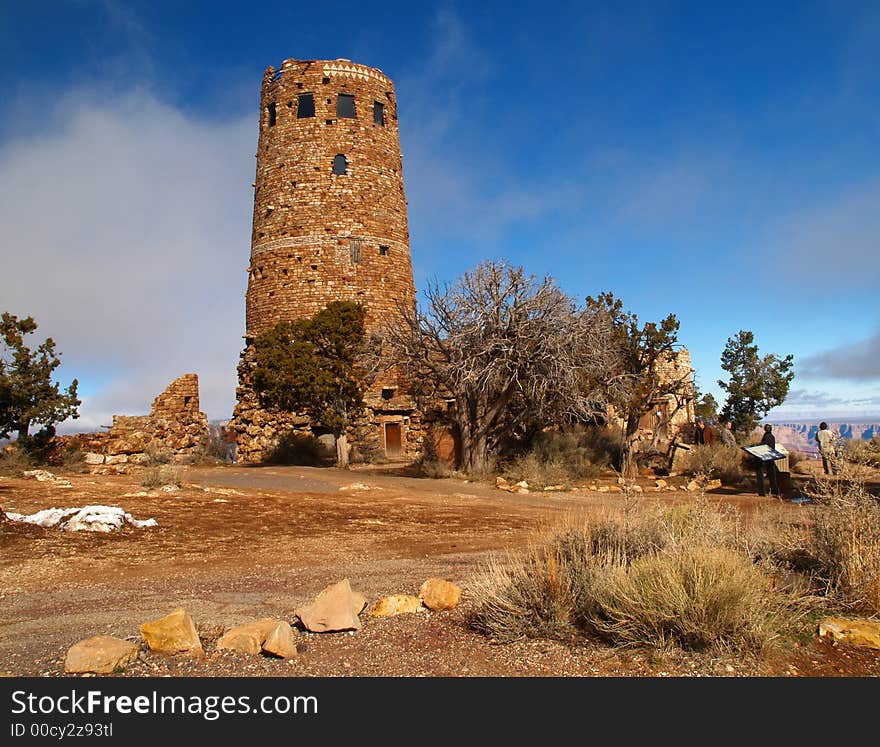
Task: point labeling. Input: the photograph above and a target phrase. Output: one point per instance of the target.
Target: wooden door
(392, 439)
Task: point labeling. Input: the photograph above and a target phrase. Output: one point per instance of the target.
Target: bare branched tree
(511, 351)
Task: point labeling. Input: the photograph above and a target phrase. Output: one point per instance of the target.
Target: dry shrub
(656, 577)
(562, 458)
(693, 597)
(15, 460)
(866, 453)
(724, 463)
(157, 454)
(845, 542)
(159, 476)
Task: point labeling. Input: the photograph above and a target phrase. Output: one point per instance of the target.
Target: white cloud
(125, 228)
(858, 361)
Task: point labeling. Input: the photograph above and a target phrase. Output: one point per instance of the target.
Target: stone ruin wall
(319, 236)
(175, 429)
(673, 415)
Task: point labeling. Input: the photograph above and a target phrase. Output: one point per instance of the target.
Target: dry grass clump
(692, 597)
(556, 458)
(844, 543)
(866, 453)
(162, 475)
(660, 577)
(15, 460)
(723, 463)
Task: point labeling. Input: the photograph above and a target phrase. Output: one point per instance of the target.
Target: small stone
(439, 594)
(396, 604)
(281, 641)
(335, 608)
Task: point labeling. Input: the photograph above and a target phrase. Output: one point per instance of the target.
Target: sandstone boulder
(173, 634)
(396, 604)
(335, 608)
(864, 633)
(93, 458)
(281, 641)
(247, 638)
(101, 654)
(439, 594)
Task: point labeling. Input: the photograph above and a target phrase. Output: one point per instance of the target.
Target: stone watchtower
(329, 224)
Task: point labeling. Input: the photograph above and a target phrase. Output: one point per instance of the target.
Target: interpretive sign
(765, 453)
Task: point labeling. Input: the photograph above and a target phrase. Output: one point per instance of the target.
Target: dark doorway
(392, 439)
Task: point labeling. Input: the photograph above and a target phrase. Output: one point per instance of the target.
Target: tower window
(272, 114)
(345, 105)
(340, 165)
(387, 392)
(379, 113)
(305, 105)
(355, 246)
(383, 250)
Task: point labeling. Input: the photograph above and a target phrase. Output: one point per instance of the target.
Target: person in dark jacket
(768, 439)
(703, 434)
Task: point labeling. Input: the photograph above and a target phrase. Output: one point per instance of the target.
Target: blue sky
(714, 161)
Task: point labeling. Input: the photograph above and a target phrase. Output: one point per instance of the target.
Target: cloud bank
(125, 228)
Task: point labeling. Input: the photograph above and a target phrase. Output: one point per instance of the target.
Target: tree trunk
(342, 450)
(630, 436)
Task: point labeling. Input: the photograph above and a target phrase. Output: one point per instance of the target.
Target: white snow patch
(86, 519)
(359, 486)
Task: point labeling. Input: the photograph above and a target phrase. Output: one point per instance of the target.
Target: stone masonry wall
(175, 427)
(320, 236)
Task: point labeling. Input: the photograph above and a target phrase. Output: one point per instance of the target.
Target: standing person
(700, 433)
(768, 439)
(727, 437)
(827, 448)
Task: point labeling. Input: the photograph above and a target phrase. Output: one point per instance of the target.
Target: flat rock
(173, 634)
(335, 608)
(101, 654)
(439, 594)
(281, 641)
(396, 604)
(864, 633)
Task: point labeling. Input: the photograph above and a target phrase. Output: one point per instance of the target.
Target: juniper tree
(316, 367)
(636, 374)
(756, 384)
(28, 396)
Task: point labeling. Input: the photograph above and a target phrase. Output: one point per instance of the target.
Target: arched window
(340, 165)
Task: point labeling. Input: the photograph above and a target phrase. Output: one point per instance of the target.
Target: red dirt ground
(238, 543)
